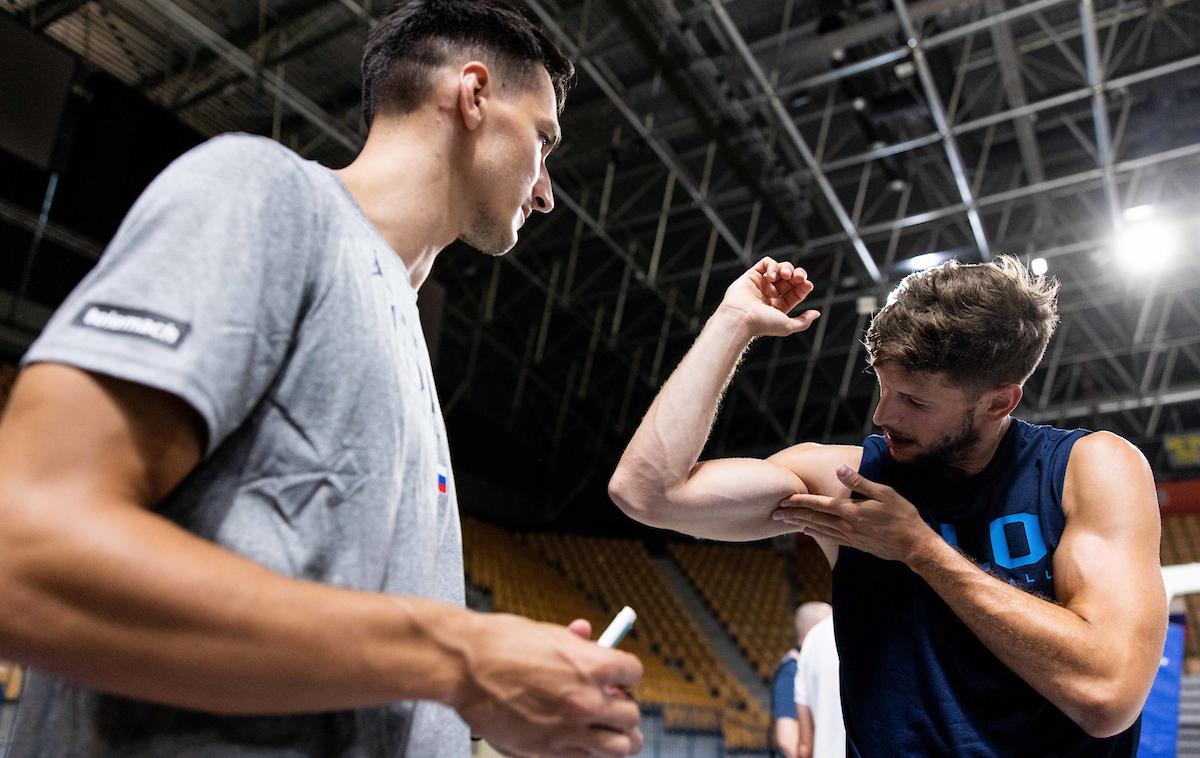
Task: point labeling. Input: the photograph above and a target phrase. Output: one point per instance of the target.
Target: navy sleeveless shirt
(915, 680)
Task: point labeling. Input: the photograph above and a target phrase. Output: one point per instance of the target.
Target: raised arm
(659, 480)
(103, 592)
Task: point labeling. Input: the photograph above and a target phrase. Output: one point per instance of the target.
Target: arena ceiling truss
(856, 139)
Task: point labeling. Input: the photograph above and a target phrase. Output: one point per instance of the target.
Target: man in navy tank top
(996, 584)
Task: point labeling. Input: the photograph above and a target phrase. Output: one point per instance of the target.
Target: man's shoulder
(1101, 465)
(788, 661)
(237, 162)
(818, 641)
(240, 145)
(1103, 450)
(1047, 435)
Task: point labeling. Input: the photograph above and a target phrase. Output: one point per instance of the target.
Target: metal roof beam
(46, 12)
(1008, 196)
(866, 262)
(1014, 90)
(934, 41)
(1104, 145)
(300, 44)
(663, 151)
(1106, 19)
(1020, 112)
(1071, 180)
(716, 114)
(289, 95)
(937, 110)
(252, 39)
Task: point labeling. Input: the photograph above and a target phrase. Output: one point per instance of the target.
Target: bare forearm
(135, 606)
(658, 481)
(804, 732)
(1062, 656)
(787, 737)
(668, 442)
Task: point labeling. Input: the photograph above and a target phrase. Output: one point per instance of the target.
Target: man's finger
(859, 483)
(829, 534)
(581, 628)
(606, 742)
(623, 670)
(831, 529)
(804, 517)
(803, 321)
(798, 289)
(794, 296)
(620, 713)
(510, 752)
(812, 502)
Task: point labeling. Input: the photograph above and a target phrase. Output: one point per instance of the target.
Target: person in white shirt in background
(818, 695)
(785, 727)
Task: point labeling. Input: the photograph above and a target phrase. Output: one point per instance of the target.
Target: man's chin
(908, 453)
(902, 456)
(492, 247)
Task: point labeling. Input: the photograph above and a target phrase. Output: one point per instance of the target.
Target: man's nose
(882, 411)
(543, 194)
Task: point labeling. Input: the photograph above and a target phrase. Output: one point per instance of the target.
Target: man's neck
(975, 460)
(405, 186)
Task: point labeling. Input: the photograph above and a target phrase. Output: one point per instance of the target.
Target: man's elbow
(634, 501)
(1103, 712)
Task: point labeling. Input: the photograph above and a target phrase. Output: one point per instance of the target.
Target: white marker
(620, 625)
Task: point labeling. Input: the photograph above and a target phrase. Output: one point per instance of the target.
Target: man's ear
(1003, 400)
(474, 91)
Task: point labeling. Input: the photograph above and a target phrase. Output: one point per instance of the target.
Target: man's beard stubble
(487, 235)
(952, 448)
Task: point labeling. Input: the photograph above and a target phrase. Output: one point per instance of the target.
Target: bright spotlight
(1147, 246)
(1139, 213)
(925, 260)
(1038, 266)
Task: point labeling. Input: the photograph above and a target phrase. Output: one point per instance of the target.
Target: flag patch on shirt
(442, 480)
(135, 323)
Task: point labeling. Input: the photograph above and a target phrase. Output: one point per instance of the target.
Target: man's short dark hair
(416, 37)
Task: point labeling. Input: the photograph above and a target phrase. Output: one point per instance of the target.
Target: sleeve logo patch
(135, 323)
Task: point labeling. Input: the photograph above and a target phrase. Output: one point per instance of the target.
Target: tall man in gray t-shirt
(227, 516)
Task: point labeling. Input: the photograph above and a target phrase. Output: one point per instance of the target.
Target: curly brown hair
(981, 325)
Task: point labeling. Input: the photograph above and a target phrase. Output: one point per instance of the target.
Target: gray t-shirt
(248, 282)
